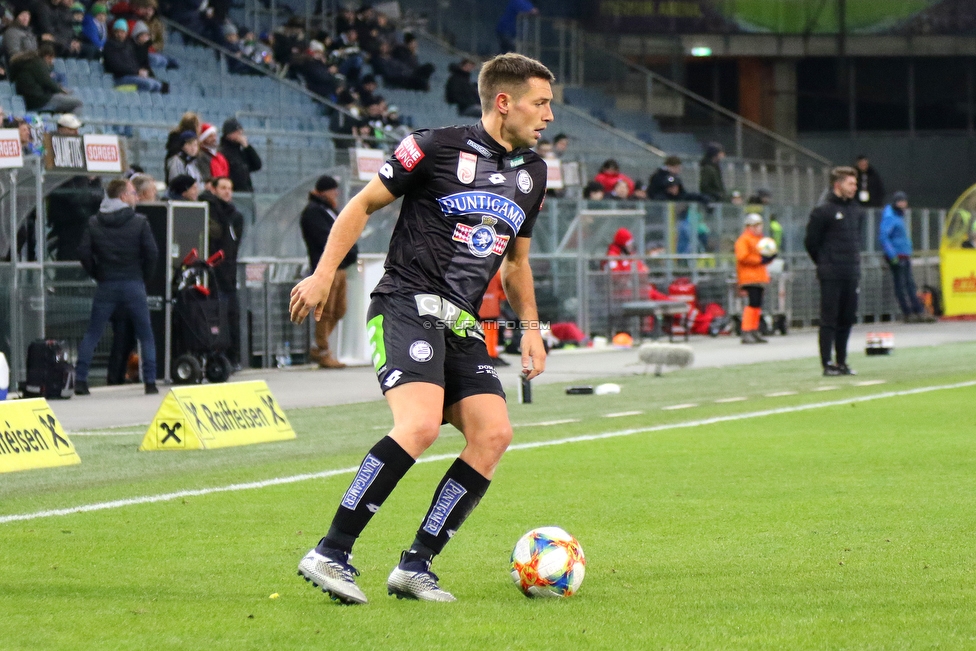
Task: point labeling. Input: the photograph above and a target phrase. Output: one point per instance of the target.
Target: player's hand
(533, 354)
(310, 294)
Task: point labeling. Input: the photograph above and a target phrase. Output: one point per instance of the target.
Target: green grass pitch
(795, 16)
(848, 525)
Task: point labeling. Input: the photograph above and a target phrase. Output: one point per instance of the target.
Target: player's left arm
(520, 290)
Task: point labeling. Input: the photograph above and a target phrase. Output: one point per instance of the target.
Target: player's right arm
(313, 292)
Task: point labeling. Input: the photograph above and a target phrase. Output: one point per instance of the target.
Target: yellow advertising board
(959, 281)
(957, 256)
(203, 417)
(31, 437)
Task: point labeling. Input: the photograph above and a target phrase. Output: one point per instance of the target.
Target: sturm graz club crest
(482, 240)
(524, 181)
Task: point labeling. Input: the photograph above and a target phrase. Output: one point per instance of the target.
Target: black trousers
(838, 312)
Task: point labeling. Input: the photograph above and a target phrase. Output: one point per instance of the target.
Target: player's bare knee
(496, 440)
(422, 433)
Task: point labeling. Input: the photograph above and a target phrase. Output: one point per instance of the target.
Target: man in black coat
(461, 91)
(119, 252)
(226, 231)
(317, 219)
(241, 156)
(833, 241)
(870, 189)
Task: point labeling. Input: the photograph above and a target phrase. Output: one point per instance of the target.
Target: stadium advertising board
(90, 153)
(366, 163)
(103, 154)
(31, 437)
(210, 416)
(11, 154)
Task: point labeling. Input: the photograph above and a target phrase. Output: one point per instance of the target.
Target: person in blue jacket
(897, 246)
(507, 28)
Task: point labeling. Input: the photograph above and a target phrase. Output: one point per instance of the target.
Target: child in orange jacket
(750, 268)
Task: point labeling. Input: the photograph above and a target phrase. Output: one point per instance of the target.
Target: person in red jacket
(623, 245)
(610, 175)
(752, 276)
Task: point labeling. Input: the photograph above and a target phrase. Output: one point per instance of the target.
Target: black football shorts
(425, 338)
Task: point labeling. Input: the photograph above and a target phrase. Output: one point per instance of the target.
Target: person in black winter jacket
(119, 252)
(833, 241)
(461, 91)
(317, 219)
(241, 157)
(870, 188)
(226, 230)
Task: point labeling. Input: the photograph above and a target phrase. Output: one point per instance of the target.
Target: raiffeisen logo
(965, 285)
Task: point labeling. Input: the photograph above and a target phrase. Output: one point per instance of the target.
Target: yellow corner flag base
(31, 437)
(208, 416)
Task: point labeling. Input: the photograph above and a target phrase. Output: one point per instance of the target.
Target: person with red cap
(752, 275)
(620, 253)
(211, 162)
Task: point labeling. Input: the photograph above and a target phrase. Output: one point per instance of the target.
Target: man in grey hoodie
(119, 252)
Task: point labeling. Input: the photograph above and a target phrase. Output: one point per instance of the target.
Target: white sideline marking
(278, 481)
(869, 383)
(735, 399)
(684, 406)
(828, 387)
(547, 423)
(780, 394)
(621, 414)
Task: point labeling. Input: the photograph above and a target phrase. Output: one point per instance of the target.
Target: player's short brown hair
(508, 73)
(116, 187)
(839, 173)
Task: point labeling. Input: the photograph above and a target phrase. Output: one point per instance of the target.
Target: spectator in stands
(143, 40)
(317, 220)
(226, 231)
(594, 191)
(147, 12)
(349, 56)
(19, 36)
(31, 74)
(52, 23)
(659, 181)
(210, 161)
(367, 90)
(145, 186)
(183, 188)
(121, 59)
(759, 200)
(79, 46)
(560, 145)
(897, 246)
(418, 77)
(507, 26)
(118, 250)
(232, 41)
(94, 28)
(68, 125)
(184, 161)
(610, 175)
(189, 122)
(735, 198)
(710, 182)
(320, 75)
(870, 189)
(241, 157)
(186, 13)
(461, 91)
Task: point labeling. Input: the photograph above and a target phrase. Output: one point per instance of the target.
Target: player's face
(529, 113)
(846, 188)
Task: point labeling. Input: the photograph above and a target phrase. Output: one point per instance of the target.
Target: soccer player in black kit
(471, 196)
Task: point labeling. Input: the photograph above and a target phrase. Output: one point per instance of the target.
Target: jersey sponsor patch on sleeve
(408, 153)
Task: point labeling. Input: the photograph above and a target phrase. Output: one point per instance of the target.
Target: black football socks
(455, 498)
(381, 470)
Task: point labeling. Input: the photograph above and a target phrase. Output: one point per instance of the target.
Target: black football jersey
(464, 201)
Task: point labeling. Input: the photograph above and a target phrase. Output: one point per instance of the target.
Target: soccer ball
(548, 562)
(767, 247)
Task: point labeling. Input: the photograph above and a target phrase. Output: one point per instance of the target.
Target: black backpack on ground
(49, 373)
